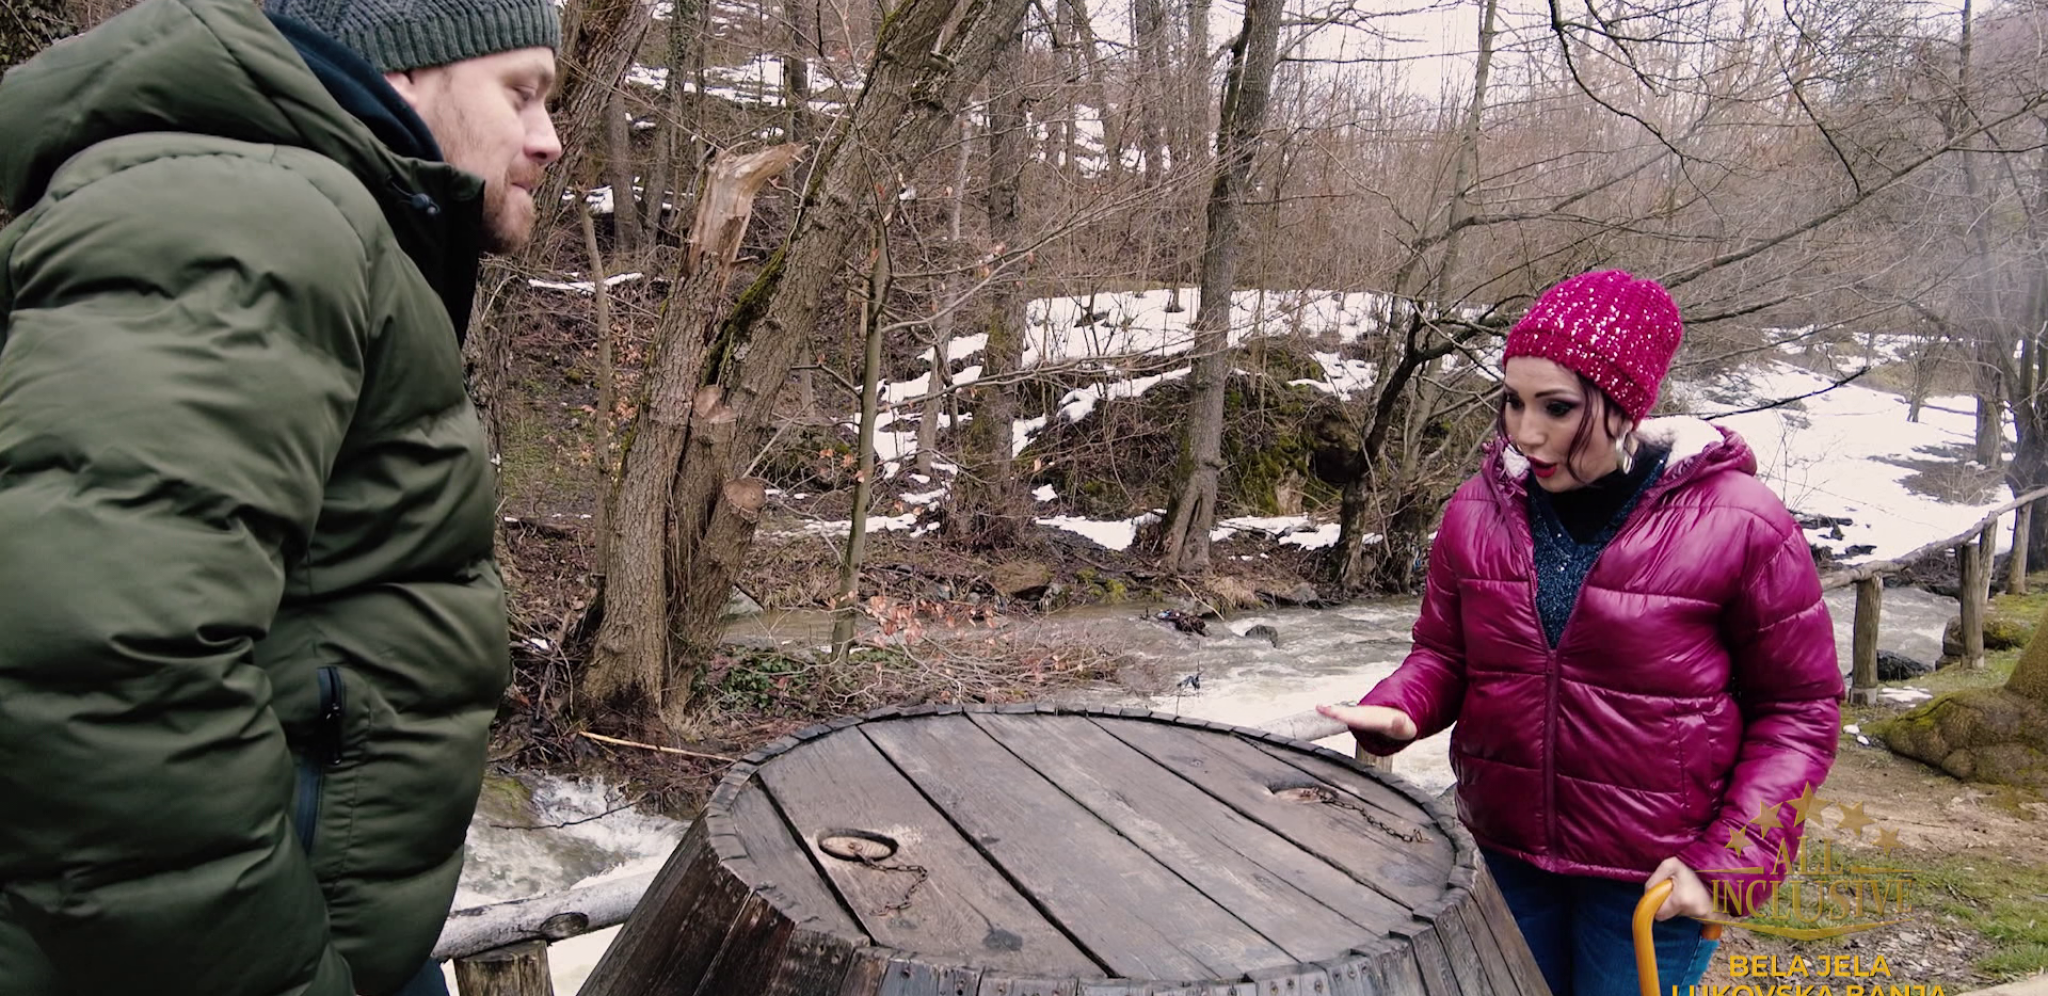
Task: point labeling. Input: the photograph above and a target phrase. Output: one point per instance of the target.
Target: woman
(1627, 628)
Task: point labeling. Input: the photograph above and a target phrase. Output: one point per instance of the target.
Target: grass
(2002, 899)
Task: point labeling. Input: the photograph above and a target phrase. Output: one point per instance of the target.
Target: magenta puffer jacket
(1694, 687)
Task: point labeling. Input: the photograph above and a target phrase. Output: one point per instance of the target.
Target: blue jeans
(429, 982)
(1580, 930)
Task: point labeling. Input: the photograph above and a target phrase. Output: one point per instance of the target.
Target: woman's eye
(1559, 409)
(1515, 403)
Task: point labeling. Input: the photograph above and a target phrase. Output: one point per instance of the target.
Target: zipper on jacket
(324, 752)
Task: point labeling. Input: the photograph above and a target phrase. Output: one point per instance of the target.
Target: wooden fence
(502, 950)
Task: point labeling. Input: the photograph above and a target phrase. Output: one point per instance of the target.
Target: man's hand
(1386, 722)
(1689, 896)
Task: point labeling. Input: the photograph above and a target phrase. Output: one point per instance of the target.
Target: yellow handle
(1646, 947)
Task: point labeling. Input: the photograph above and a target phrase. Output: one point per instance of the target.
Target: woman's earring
(1622, 456)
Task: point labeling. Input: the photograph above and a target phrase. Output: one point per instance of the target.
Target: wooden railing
(502, 949)
(1973, 548)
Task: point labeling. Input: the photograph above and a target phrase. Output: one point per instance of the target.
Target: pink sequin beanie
(1620, 332)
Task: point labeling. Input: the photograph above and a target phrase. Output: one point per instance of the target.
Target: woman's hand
(1689, 896)
(1386, 722)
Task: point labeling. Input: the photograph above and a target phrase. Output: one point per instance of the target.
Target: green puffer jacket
(251, 633)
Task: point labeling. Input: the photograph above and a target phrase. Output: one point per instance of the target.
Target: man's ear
(407, 85)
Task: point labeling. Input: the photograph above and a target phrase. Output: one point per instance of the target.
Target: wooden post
(2016, 568)
(1374, 761)
(1987, 554)
(1863, 672)
(1971, 594)
(514, 970)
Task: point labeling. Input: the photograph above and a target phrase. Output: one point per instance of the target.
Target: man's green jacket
(251, 632)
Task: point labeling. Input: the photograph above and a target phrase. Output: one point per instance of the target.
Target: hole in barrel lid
(1304, 792)
(857, 845)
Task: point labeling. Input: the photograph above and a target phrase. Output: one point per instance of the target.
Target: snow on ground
(582, 286)
(1837, 455)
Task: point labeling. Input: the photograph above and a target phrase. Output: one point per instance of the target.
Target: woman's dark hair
(1598, 406)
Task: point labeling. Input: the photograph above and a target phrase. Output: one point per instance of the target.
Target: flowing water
(1323, 655)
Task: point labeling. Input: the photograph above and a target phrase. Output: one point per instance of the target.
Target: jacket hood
(212, 67)
(1699, 449)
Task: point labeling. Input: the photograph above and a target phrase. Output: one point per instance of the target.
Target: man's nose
(543, 144)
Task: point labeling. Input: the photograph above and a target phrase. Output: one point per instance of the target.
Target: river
(1323, 655)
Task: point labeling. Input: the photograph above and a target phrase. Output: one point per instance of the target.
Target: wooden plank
(669, 941)
(1863, 669)
(1030, 987)
(780, 867)
(959, 907)
(1437, 977)
(1310, 909)
(1458, 947)
(1493, 908)
(1293, 980)
(1387, 799)
(1343, 831)
(812, 963)
(864, 975)
(752, 951)
(1500, 975)
(911, 976)
(1348, 976)
(1399, 972)
(1136, 917)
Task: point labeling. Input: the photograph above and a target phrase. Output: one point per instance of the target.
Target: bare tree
(1184, 547)
(988, 506)
(916, 88)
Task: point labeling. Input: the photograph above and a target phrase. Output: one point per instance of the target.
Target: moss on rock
(1984, 735)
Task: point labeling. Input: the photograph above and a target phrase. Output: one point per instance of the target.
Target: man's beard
(508, 224)
(508, 217)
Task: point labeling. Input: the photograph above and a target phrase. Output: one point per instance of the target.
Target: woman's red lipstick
(1542, 469)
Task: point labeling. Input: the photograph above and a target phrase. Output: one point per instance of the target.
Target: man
(251, 633)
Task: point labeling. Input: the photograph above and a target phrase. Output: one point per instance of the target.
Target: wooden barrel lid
(1025, 850)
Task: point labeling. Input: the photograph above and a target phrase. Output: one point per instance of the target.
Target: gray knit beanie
(396, 35)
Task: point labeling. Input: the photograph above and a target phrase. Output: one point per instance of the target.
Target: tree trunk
(632, 664)
(942, 325)
(673, 146)
(598, 53)
(1467, 169)
(917, 88)
(618, 156)
(1184, 548)
(1098, 90)
(796, 74)
(847, 610)
(989, 509)
(607, 401)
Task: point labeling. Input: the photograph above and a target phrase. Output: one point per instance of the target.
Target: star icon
(1766, 817)
(1808, 804)
(1738, 841)
(1887, 841)
(1853, 820)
